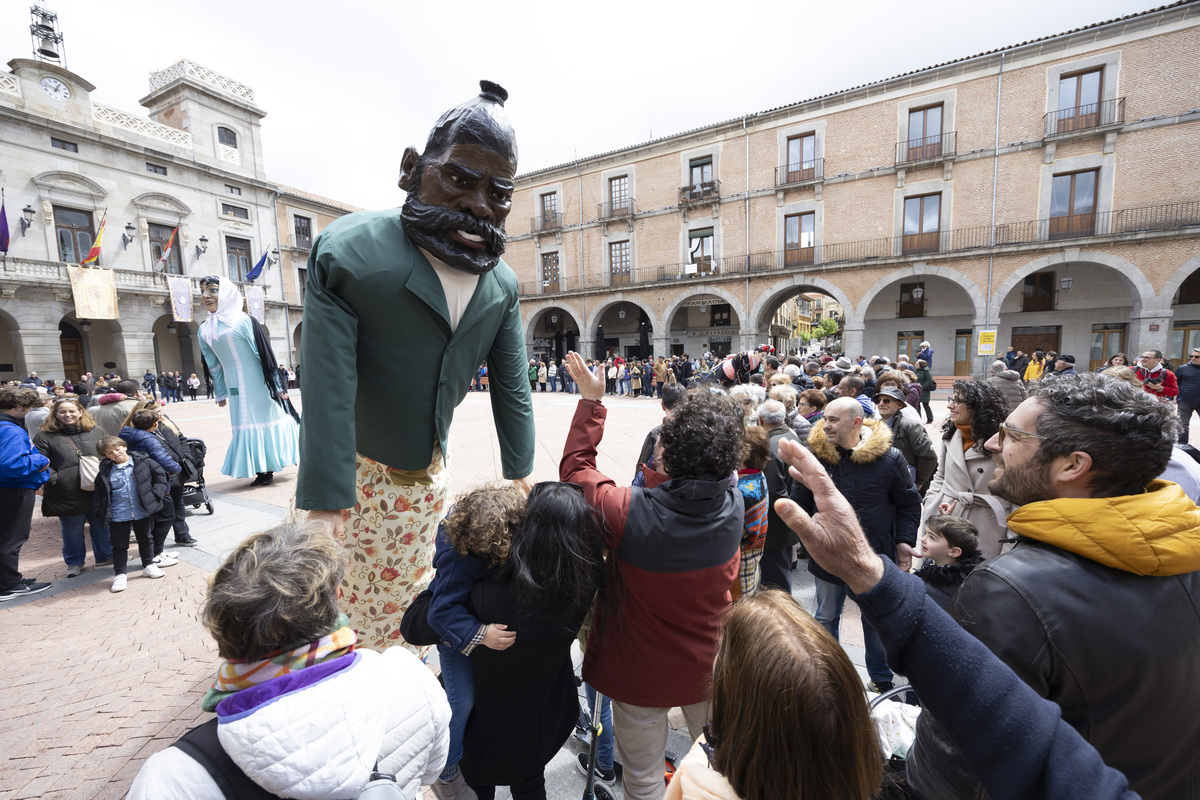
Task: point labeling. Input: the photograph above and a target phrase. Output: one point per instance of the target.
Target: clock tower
(49, 90)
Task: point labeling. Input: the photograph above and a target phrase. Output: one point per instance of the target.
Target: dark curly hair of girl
(988, 410)
(557, 550)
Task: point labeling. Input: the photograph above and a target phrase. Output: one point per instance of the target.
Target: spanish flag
(93, 256)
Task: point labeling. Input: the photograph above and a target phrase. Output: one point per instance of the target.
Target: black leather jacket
(1118, 652)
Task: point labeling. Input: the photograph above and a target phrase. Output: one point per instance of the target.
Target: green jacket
(375, 307)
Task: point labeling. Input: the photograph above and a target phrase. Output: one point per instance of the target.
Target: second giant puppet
(238, 353)
(401, 308)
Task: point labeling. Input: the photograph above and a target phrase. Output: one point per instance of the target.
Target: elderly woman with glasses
(960, 485)
(68, 434)
(301, 710)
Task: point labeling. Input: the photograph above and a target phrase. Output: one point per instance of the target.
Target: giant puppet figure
(238, 353)
(411, 303)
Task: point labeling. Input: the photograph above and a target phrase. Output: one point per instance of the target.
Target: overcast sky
(347, 85)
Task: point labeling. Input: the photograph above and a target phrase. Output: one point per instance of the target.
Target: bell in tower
(47, 40)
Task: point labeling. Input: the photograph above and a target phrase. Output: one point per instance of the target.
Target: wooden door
(72, 356)
(1046, 340)
(908, 343)
(962, 353)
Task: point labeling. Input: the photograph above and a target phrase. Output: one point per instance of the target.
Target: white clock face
(56, 89)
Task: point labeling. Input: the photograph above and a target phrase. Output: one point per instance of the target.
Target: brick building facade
(1049, 191)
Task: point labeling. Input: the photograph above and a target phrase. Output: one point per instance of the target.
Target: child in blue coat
(472, 542)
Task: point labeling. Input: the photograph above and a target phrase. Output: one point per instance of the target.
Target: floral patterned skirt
(388, 545)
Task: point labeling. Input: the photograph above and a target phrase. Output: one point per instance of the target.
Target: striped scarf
(235, 675)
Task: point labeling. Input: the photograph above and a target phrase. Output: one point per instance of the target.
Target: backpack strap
(203, 746)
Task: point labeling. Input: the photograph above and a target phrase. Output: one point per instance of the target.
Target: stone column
(39, 341)
(852, 337)
(1142, 338)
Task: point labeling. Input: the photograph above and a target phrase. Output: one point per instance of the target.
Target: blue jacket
(1188, 377)
(21, 465)
(455, 577)
(152, 446)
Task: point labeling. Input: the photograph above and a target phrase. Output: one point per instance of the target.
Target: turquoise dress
(265, 437)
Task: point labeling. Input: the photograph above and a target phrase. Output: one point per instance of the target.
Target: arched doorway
(552, 332)
(704, 323)
(12, 361)
(907, 311)
(624, 329)
(173, 346)
(1080, 308)
(801, 319)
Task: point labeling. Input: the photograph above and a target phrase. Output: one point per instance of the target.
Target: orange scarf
(968, 442)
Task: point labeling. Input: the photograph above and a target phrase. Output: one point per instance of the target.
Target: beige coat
(963, 477)
(696, 780)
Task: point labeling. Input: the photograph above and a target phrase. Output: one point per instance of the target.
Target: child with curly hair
(472, 542)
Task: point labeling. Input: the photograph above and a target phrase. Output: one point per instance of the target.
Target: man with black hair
(674, 553)
(1097, 607)
(416, 300)
(671, 395)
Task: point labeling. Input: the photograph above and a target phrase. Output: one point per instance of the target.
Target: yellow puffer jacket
(1153, 533)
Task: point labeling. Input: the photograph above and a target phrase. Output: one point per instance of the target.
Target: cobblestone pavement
(97, 682)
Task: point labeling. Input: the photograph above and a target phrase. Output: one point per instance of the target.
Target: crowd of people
(1026, 487)
(981, 592)
(113, 465)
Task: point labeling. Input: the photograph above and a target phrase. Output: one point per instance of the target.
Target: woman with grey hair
(302, 713)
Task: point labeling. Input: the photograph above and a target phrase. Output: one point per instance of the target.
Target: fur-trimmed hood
(950, 576)
(875, 439)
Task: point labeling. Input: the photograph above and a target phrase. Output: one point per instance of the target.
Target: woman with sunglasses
(68, 433)
(960, 485)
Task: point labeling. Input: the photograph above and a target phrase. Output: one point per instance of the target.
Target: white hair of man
(771, 413)
(758, 392)
(792, 371)
(998, 367)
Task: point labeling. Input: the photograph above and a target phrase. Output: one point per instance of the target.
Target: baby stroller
(194, 492)
(894, 714)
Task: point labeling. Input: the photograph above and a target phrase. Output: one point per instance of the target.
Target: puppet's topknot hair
(493, 91)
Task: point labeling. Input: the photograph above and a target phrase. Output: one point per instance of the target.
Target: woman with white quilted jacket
(300, 712)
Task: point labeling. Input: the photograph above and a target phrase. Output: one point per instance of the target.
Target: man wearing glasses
(1097, 607)
(1188, 378)
(1156, 379)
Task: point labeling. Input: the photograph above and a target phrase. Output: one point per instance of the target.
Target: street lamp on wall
(127, 236)
(172, 329)
(621, 313)
(918, 293)
(1065, 282)
(26, 218)
(273, 257)
(202, 248)
(85, 326)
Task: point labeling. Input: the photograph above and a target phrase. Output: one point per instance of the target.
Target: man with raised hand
(416, 300)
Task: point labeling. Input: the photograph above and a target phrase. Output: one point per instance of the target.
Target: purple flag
(3, 229)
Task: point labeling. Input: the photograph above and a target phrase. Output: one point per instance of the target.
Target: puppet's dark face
(457, 205)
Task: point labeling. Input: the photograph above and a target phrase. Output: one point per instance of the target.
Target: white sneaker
(118, 584)
(153, 571)
(166, 560)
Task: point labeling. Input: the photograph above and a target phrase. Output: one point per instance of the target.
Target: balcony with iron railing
(705, 192)
(616, 209)
(800, 173)
(549, 221)
(1130, 221)
(930, 149)
(1086, 119)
